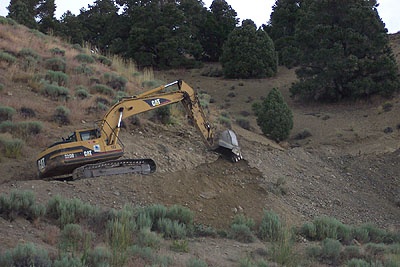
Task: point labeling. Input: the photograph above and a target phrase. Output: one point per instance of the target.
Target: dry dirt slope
(348, 168)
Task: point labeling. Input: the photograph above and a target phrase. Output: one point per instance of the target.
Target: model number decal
(69, 156)
(87, 153)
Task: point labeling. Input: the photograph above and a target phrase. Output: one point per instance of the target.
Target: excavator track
(115, 167)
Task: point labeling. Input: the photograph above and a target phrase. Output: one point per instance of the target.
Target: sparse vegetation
(6, 113)
(12, 148)
(102, 89)
(55, 92)
(85, 58)
(130, 233)
(57, 51)
(57, 77)
(81, 92)
(26, 255)
(61, 115)
(84, 69)
(56, 64)
(270, 227)
(115, 81)
(7, 57)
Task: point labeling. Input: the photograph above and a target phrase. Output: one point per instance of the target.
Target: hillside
(347, 169)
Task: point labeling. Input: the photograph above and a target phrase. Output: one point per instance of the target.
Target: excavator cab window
(89, 135)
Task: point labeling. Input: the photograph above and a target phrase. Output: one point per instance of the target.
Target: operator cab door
(91, 142)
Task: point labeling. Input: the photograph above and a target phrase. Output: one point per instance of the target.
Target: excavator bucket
(228, 146)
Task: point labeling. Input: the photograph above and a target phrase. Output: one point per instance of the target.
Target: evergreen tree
(98, 22)
(220, 22)
(46, 15)
(71, 28)
(274, 116)
(249, 53)
(346, 52)
(161, 35)
(23, 12)
(281, 28)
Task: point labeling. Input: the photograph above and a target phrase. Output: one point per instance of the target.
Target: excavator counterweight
(96, 152)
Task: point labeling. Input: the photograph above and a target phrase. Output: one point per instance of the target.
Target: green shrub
(114, 81)
(84, 58)
(29, 63)
(241, 233)
(375, 234)
(71, 238)
(7, 57)
(55, 64)
(330, 250)
(81, 92)
(308, 230)
(57, 51)
(147, 238)
(327, 227)
(12, 147)
(180, 246)
(104, 60)
(84, 69)
(1, 87)
(55, 92)
(61, 115)
(282, 249)
(180, 214)
(241, 219)
(274, 116)
(68, 261)
(22, 129)
(119, 235)
(57, 77)
(270, 227)
(145, 253)
(171, 229)
(29, 53)
(7, 127)
(102, 89)
(120, 95)
(194, 262)
(22, 204)
(99, 257)
(144, 221)
(78, 47)
(351, 252)
(69, 211)
(6, 113)
(26, 255)
(358, 263)
(27, 129)
(203, 230)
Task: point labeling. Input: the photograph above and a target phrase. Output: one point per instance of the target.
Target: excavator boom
(94, 152)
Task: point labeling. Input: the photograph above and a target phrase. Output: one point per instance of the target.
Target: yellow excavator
(95, 152)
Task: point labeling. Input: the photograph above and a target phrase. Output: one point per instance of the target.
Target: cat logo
(155, 102)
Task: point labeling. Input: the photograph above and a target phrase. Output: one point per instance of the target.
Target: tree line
(339, 48)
